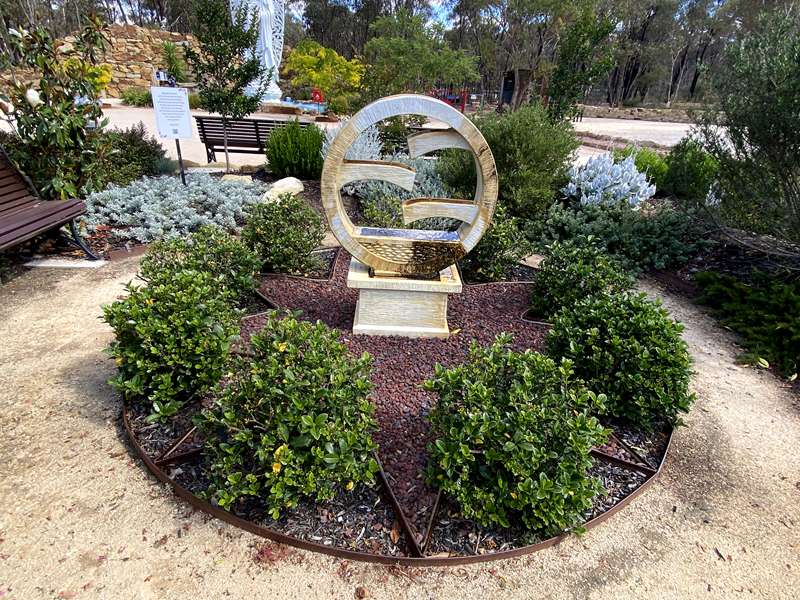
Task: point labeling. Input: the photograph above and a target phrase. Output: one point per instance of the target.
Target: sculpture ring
(410, 251)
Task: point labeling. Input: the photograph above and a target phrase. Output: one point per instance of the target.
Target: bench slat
(30, 224)
(14, 205)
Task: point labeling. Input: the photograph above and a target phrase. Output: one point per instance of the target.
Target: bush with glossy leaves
(512, 435)
(292, 421)
(628, 348)
(172, 339)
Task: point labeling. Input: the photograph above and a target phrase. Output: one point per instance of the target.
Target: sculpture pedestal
(392, 305)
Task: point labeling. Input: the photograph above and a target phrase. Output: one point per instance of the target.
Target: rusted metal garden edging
(414, 545)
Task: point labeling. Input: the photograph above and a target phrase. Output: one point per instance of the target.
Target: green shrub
(210, 250)
(628, 348)
(194, 101)
(647, 161)
(130, 155)
(765, 312)
(294, 151)
(641, 240)
(283, 234)
(512, 434)
(753, 130)
(57, 148)
(532, 153)
(573, 270)
(294, 421)
(502, 247)
(691, 171)
(137, 97)
(173, 61)
(172, 340)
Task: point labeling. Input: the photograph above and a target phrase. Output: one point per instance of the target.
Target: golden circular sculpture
(410, 251)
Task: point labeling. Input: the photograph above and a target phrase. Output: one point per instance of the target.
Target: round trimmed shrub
(513, 433)
(283, 234)
(573, 270)
(627, 347)
(294, 420)
(172, 340)
(294, 151)
(211, 250)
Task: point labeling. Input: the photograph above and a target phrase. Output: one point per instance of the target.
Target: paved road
(667, 134)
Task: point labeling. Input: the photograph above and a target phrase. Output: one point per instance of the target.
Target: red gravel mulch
(479, 313)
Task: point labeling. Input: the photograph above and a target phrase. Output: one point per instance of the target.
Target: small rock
(362, 592)
(287, 185)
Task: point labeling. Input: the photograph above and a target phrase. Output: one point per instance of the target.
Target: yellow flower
(514, 495)
(118, 360)
(276, 467)
(282, 347)
(350, 485)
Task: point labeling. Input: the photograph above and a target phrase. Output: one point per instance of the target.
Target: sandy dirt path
(80, 518)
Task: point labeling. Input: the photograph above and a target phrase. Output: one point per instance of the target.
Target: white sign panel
(172, 112)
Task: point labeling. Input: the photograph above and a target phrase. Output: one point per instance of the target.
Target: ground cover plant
(294, 151)
(154, 208)
(172, 339)
(601, 180)
(764, 311)
(231, 264)
(283, 233)
(627, 347)
(573, 270)
(513, 431)
(292, 421)
(532, 153)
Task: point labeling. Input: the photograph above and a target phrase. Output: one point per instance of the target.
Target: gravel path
(81, 519)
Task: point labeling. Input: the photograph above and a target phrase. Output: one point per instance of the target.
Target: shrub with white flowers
(158, 208)
(602, 181)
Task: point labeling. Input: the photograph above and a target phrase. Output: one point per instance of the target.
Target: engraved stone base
(390, 305)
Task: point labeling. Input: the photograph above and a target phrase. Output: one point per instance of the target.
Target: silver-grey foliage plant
(602, 181)
(162, 207)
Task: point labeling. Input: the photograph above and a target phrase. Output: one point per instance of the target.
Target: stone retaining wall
(133, 53)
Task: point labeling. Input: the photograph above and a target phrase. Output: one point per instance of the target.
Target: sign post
(173, 119)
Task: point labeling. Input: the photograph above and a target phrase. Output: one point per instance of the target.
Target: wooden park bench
(23, 215)
(245, 136)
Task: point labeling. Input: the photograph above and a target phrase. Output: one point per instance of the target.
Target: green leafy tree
(585, 54)
(313, 65)
(52, 115)
(406, 55)
(225, 63)
(753, 132)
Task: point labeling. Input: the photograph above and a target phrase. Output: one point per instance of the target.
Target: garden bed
(403, 519)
